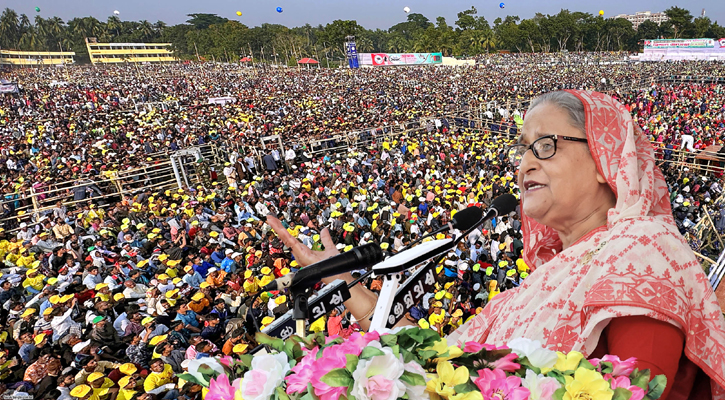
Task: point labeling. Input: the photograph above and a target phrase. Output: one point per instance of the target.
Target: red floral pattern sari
(638, 265)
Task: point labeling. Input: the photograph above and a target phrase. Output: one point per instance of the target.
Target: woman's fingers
(327, 240)
(281, 232)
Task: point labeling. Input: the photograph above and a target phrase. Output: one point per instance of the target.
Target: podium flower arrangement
(414, 363)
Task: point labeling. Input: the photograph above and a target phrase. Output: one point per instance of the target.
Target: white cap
(228, 252)
(23, 225)
(212, 269)
(80, 346)
(235, 255)
(476, 286)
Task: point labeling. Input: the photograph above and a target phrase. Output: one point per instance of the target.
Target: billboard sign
(679, 43)
(391, 59)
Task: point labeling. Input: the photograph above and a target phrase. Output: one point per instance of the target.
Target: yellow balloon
(601, 12)
(239, 13)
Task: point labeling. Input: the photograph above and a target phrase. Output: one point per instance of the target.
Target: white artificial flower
(538, 356)
(378, 378)
(210, 362)
(416, 392)
(541, 387)
(267, 373)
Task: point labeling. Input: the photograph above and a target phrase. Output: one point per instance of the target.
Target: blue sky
(368, 13)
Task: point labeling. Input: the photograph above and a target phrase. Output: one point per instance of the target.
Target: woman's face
(565, 189)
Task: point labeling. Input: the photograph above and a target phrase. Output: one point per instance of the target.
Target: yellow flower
(474, 395)
(588, 384)
(238, 393)
(441, 347)
(448, 377)
(566, 362)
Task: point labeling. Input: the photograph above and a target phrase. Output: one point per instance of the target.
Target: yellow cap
(267, 320)
(163, 257)
(39, 338)
(94, 377)
(266, 271)
(123, 382)
(213, 234)
(247, 274)
(127, 369)
(47, 311)
(197, 296)
(240, 348)
(101, 286)
(157, 339)
(280, 300)
(29, 311)
(118, 296)
(204, 285)
(54, 299)
(147, 320)
(80, 391)
(162, 277)
(66, 298)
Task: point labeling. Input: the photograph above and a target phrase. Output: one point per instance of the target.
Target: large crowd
(110, 295)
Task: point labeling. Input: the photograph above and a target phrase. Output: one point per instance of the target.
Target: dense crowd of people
(109, 295)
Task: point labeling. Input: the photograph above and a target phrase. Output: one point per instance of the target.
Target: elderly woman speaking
(612, 274)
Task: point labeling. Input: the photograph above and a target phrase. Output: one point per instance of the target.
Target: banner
(387, 59)
(352, 58)
(222, 100)
(9, 88)
(679, 43)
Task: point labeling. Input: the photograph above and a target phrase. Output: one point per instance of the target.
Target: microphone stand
(300, 311)
(393, 279)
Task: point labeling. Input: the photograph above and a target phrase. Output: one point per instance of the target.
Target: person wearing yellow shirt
(25, 260)
(13, 254)
(100, 385)
(4, 244)
(33, 282)
(251, 283)
(127, 388)
(161, 380)
(267, 276)
(171, 271)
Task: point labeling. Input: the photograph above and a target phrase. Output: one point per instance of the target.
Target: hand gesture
(303, 254)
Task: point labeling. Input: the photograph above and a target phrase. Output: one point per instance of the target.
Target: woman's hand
(303, 254)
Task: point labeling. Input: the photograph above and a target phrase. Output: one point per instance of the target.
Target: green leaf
(465, 387)
(388, 340)
(338, 377)
(281, 395)
(408, 356)
(370, 352)
(558, 376)
(640, 378)
(584, 363)
(352, 361)
(621, 393)
(656, 387)
(246, 360)
(426, 354)
(413, 379)
(606, 366)
(275, 343)
(396, 350)
(559, 394)
(193, 379)
(310, 393)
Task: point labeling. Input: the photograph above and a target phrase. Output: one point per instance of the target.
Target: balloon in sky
(37, 9)
(501, 5)
(239, 13)
(601, 12)
(406, 9)
(116, 12)
(279, 9)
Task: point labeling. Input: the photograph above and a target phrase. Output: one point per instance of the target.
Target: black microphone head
(369, 253)
(505, 204)
(466, 218)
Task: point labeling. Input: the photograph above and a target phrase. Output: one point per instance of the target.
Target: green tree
(681, 21)
(203, 21)
(9, 29)
(647, 30)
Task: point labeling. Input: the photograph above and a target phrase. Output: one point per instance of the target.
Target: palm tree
(30, 39)
(146, 30)
(397, 44)
(488, 40)
(9, 29)
(113, 24)
(364, 44)
(159, 27)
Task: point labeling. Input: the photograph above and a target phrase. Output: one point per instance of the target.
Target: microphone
(360, 257)
(466, 218)
(501, 205)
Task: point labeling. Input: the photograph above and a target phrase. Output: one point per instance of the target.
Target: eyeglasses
(543, 148)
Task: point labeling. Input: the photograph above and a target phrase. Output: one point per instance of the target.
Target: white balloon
(406, 9)
(116, 12)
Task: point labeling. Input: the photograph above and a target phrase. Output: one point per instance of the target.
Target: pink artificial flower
(220, 389)
(378, 387)
(624, 382)
(475, 347)
(495, 385)
(302, 373)
(332, 357)
(507, 363)
(260, 381)
(620, 367)
(226, 361)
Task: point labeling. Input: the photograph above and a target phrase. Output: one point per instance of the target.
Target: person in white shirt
(231, 174)
(289, 158)
(134, 290)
